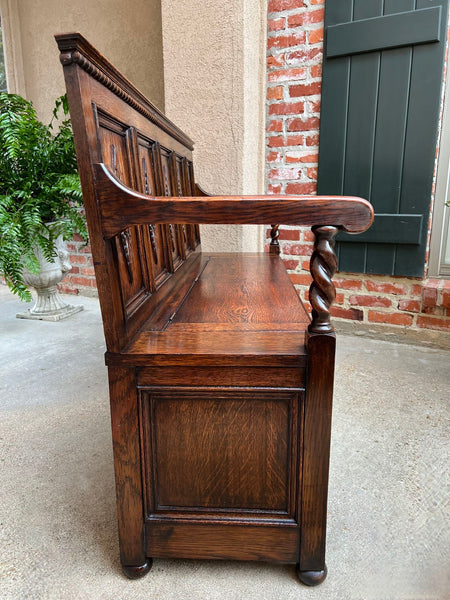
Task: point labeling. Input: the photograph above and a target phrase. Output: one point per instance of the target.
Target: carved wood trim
(172, 236)
(145, 175)
(76, 49)
(188, 187)
(322, 266)
(151, 230)
(125, 243)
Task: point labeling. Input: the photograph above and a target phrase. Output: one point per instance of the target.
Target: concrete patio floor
(388, 528)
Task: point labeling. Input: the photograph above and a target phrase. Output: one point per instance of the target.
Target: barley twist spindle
(323, 266)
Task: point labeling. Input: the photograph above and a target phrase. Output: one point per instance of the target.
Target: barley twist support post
(323, 266)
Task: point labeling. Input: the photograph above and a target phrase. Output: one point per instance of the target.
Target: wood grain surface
(242, 289)
(221, 450)
(223, 541)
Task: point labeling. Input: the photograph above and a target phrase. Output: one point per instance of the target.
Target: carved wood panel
(167, 187)
(187, 237)
(146, 255)
(116, 146)
(154, 235)
(179, 187)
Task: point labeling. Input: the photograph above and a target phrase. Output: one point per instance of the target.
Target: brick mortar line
(290, 31)
(289, 12)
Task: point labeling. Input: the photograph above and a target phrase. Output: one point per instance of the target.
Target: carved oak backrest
(115, 124)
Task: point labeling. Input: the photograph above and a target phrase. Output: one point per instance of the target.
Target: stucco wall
(214, 75)
(127, 33)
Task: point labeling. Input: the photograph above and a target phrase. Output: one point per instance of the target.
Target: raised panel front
(220, 450)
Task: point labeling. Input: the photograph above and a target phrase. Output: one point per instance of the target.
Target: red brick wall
(294, 69)
(81, 279)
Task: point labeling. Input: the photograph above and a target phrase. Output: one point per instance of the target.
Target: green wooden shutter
(383, 64)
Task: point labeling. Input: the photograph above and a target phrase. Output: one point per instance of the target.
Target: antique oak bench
(220, 382)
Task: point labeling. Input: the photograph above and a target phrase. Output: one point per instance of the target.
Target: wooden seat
(237, 308)
(220, 382)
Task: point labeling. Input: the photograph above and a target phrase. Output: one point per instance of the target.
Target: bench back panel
(114, 124)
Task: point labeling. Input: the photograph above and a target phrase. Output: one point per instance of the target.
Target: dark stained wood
(220, 383)
(311, 578)
(316, 451)
(139, 571)
(221, 449)
(114, 124)
(255, 281)
(289, 377)
(226, 541)
(127, 464)
(227, 348)
(323, 266)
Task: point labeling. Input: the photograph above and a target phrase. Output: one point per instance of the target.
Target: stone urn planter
(40, 197)
(49, 305)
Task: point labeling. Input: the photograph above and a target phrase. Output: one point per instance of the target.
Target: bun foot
(311, 577)
(135, 572)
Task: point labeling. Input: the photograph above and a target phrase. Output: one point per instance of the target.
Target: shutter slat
(390, 135)
(333, 136)
(390, 31)
(389, 229)
(334, 109)
(420, 145)
(361, 120)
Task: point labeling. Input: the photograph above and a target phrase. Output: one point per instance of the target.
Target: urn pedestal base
(49, 306)
(63, 314)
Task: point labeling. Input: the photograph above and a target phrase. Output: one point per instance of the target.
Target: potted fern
(40, 201)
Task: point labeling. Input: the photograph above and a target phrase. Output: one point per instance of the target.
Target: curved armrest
(122, 207)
